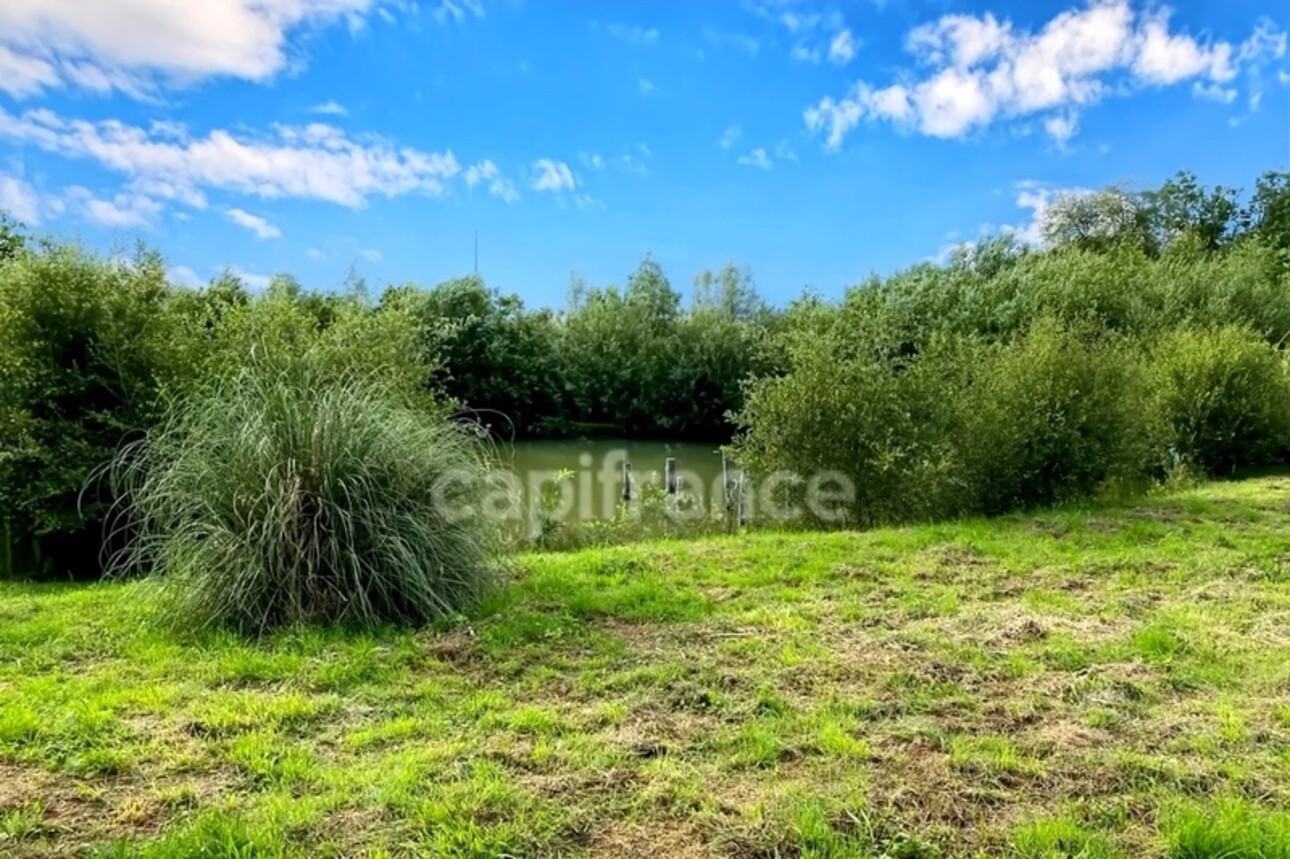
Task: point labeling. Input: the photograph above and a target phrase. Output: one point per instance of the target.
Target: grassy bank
(1090, 682)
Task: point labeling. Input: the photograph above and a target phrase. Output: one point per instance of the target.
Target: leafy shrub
(294, 491)
(493, 355)
(955, 426)
(1050, 417)
(86, 351)
(1220, 398)
(845, 404)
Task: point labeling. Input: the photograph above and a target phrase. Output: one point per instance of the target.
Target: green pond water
(596, 485)
(593, 491)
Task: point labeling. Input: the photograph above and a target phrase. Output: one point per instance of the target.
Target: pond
(593, 490)
(595, 487)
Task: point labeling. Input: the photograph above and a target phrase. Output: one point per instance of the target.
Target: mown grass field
(1092, 682)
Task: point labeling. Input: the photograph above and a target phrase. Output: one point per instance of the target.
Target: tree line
(1146, 335)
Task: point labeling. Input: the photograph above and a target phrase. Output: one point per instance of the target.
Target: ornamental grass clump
(292, 492)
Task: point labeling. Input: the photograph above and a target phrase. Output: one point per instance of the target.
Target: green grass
(1089, 682)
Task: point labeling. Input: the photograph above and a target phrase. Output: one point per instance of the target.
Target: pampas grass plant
(291, 492)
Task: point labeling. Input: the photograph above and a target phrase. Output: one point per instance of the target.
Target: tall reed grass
(294, 492)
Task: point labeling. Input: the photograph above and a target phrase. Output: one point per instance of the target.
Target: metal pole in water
(669, 469)
(627, 480)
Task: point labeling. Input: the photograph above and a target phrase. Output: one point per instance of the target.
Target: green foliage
(638, 365)
(1268, 214)
(296, 490)
(617, 348)
(494, 357)
(1098, 221)
(1012, 378)
(955, 425)
(847, 403)
(12, 241)
(627, 361)
(1182, 207)
(1221, 398)
(85, 355)
(1146, 339)
(1050, 417)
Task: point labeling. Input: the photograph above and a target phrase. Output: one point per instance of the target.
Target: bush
(957, 426)
(86, 352)
(1220, 399)
(1051, 417)
(847, 405)
(296, 491)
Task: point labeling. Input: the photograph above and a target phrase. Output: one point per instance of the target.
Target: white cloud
(1214, 92)
(313, 162)
(251, 279)
(842, 49)
(185, 276)
(1165, 58)
(1036, 198)
(553, 176)
(1265, 45)
(628, 162)
(166, 190)
(975, 71)
(816, 30)
(22, 75)
(757, 158)
(803, 54)
(19, 200)
(633, 34)
(730, 137)
(330, 108)
(784, 152)
(457, 11)
(262, 228)
(837, 118)
(134, 45)
(645, 86)
(797, 16)
(1061, 128)
(122, 211)
(498, 185)
(343, 248)
(1031, 196)
(631, 164)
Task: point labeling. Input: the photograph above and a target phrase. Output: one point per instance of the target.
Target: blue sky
(815, 142)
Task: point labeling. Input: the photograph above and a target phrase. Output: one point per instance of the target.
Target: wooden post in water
(740, 499)
(669, 470)
(729, 488)
(627, 481)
